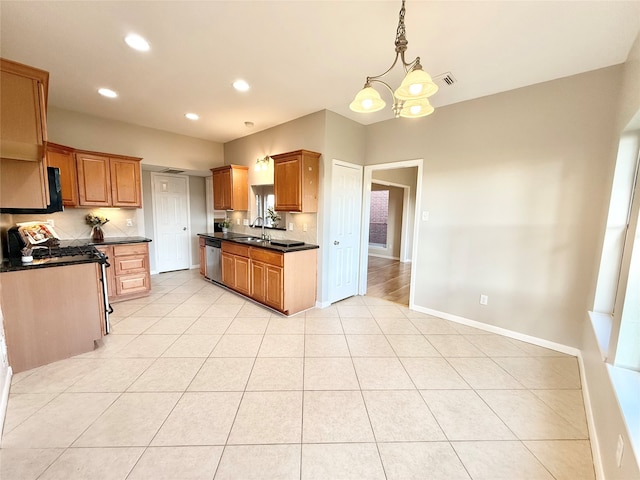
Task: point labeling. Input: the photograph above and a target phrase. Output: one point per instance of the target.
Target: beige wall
(514, 186)
(156, 147)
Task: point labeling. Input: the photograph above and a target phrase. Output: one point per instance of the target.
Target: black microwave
(55, 196)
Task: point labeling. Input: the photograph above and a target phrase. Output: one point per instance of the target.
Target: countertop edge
(276, 248)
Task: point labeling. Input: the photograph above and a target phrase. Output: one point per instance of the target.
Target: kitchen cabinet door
(203, 257)
(23, 110)
(228, 270)
(94, 180)
(23, 133)
(230, 187)
(62, 158)
(295, 181)
(125, 182)
(274, 287)
(258, 281)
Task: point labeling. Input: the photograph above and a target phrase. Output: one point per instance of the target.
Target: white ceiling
(299, 56)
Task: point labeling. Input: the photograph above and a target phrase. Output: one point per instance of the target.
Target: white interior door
(171, 221)
(346, 211)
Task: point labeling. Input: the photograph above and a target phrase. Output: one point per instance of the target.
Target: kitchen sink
(250, 240)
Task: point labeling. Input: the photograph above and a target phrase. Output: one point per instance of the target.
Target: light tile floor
(196, 383)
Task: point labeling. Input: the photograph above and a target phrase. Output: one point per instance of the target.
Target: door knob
(184, 228)
(336, 242)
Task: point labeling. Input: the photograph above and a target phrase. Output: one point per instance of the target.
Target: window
(618, 288)
(379, 216)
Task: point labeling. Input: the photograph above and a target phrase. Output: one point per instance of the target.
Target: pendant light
(410, 98)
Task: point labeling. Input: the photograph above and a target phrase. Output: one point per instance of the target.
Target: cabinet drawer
(128, 284)
(130, 249)
(235, 249)
(266, 256)
(130, 264)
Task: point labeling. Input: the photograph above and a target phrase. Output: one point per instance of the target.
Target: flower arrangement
(273, 216)
(226, 223)
(95, 220)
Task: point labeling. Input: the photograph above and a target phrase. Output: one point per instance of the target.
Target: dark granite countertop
(243, 239)
(106, 241)
(15, 264)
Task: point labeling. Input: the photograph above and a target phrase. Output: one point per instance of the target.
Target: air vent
(444, 80)
(172, 171)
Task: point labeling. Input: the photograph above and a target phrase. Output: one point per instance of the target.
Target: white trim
(154, 272)
(591, 423)
(558, 347)
(153, 211)
(323, 304)
(194, 267)
(377, 255)
(4, 400)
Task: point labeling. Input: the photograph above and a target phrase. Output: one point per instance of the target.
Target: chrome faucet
(255, 222)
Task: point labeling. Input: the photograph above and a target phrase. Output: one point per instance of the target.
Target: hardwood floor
(388, 279)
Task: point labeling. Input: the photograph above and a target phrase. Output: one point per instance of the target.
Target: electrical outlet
(290, 225)
(304, 227)
(619, 451)
(129, 222)
(245, 222)
(237, 221)
(484, 299)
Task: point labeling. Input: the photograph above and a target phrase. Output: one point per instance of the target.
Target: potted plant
(96, 222)
(225, 225)
(273, 216)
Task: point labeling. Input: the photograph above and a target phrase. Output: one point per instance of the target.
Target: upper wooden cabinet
(108, 180)
(23, 133)
(295, 181)
(62, 157)
(23, 111)
(230, 187)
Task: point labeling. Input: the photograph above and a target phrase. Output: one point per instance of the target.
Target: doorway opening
(385, 265)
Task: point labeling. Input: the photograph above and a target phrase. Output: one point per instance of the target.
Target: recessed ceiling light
(137, 42)
(192, 116)
(241, 85)
(107, 92)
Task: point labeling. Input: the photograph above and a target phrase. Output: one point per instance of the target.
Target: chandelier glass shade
(410, 98)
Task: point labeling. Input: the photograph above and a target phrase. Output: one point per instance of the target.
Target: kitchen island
(280, 276)
(53, 308)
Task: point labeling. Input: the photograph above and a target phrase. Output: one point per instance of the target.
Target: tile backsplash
(71, 224)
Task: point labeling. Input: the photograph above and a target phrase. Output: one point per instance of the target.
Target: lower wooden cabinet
(128, 276)
(283, 281)
(64, 321)
(203, 257)
(235, 267)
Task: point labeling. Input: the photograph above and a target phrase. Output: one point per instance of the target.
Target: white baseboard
(323, 304)
(154, 272)
(379, 255)
(194, 267)
(4, 398)
(558, 347)
(591, 424)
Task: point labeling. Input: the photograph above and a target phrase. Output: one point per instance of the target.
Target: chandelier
(410, 98)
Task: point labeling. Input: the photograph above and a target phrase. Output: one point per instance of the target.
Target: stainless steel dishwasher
(213, 252)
